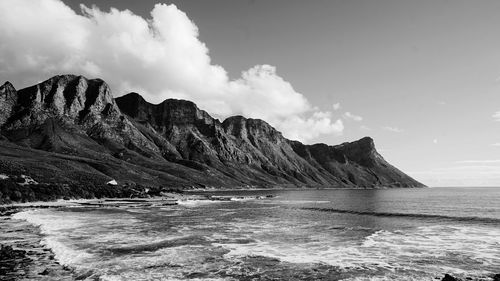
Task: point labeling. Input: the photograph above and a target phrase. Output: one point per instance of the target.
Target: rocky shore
(448, 277)
(23, 255)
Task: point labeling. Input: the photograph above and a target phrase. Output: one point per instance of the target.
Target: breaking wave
(52, 226)
(407, 215)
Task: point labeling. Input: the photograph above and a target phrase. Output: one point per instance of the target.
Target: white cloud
(319, 123)
(496, 116)
(435, 141)
(336, 106)
(351, 116)
(496, 144)
(460, 176)
(160, 57)
(393, 129)
(479, 162)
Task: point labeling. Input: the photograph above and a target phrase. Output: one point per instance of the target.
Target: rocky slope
(252, 149)
(74, 116)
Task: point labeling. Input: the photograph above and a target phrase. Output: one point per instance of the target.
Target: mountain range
(70, 129)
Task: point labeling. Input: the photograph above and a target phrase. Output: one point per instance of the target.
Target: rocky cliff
(174, 143)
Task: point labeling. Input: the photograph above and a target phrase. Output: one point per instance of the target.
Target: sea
(328, 234)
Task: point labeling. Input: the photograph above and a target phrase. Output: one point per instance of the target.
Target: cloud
(482, 175)
(435, 141)
(496, 144)
(478, 162)
(160, 57)
(351, 116)
(496, 116)
(319, 123)
(336, 106)
(393, 129)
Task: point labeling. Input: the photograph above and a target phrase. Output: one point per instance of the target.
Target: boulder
(448, 277)
(112, 183)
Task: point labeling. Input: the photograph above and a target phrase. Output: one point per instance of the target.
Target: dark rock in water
(45, 272)
(448, 277)
(8, 253)
(22, 257)
(11, 260)
(173, 143)
(496, 277)
(7, 211)
(84, 276)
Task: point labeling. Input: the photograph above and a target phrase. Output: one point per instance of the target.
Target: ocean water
(391, 234)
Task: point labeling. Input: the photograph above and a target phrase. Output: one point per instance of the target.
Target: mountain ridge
(73, 115)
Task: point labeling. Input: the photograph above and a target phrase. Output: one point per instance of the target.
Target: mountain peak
(7, 85)
(8, 99)
(240, 126)
(133, 96)
(366, 144)
(67, 95)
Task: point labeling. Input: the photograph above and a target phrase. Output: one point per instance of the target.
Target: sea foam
(51, 226)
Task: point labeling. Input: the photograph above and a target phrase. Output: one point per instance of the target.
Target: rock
(84, 276)
(12, 261)
(448, 277)
(112, 183)
(45, 272)
(496, 277)
(8, 253)
(8, 99)
(27, 180)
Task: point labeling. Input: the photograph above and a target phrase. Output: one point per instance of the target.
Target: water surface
(418, 234)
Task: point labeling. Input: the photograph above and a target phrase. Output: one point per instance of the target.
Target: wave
(156, 245)
(51, 226)
(408, 215)
(432, 249)
(195, 203)
(301, 201)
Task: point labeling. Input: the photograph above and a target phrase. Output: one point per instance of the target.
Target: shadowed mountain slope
(174, 143)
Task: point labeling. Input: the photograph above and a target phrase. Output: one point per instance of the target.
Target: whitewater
(385, 234)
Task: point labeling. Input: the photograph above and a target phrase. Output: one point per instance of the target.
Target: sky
(422, 78)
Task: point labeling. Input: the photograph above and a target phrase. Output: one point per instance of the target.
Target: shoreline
(206, 190)
(23, 254)
(165, 199)
(31, 259)
(187, 192)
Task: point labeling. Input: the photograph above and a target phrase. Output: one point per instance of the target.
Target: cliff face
(356, 163)
(69, 114)
(73, 115)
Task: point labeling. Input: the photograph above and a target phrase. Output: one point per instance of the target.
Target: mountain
(173, 143)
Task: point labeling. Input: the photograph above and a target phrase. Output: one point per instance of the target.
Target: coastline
(36, 261)
(206, 190)
(23, 254)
